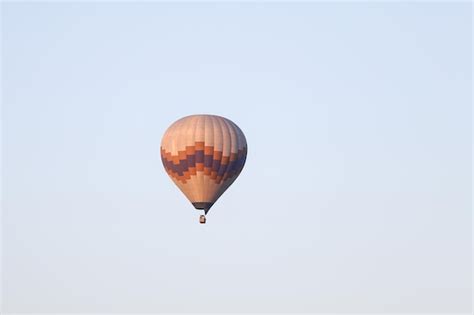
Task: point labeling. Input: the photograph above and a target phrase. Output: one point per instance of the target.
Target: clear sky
(356, 195)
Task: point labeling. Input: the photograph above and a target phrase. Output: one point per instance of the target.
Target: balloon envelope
(203, 155)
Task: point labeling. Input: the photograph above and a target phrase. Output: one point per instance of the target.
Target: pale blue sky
(356, 195)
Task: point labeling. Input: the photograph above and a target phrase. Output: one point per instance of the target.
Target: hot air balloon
(203, 155)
